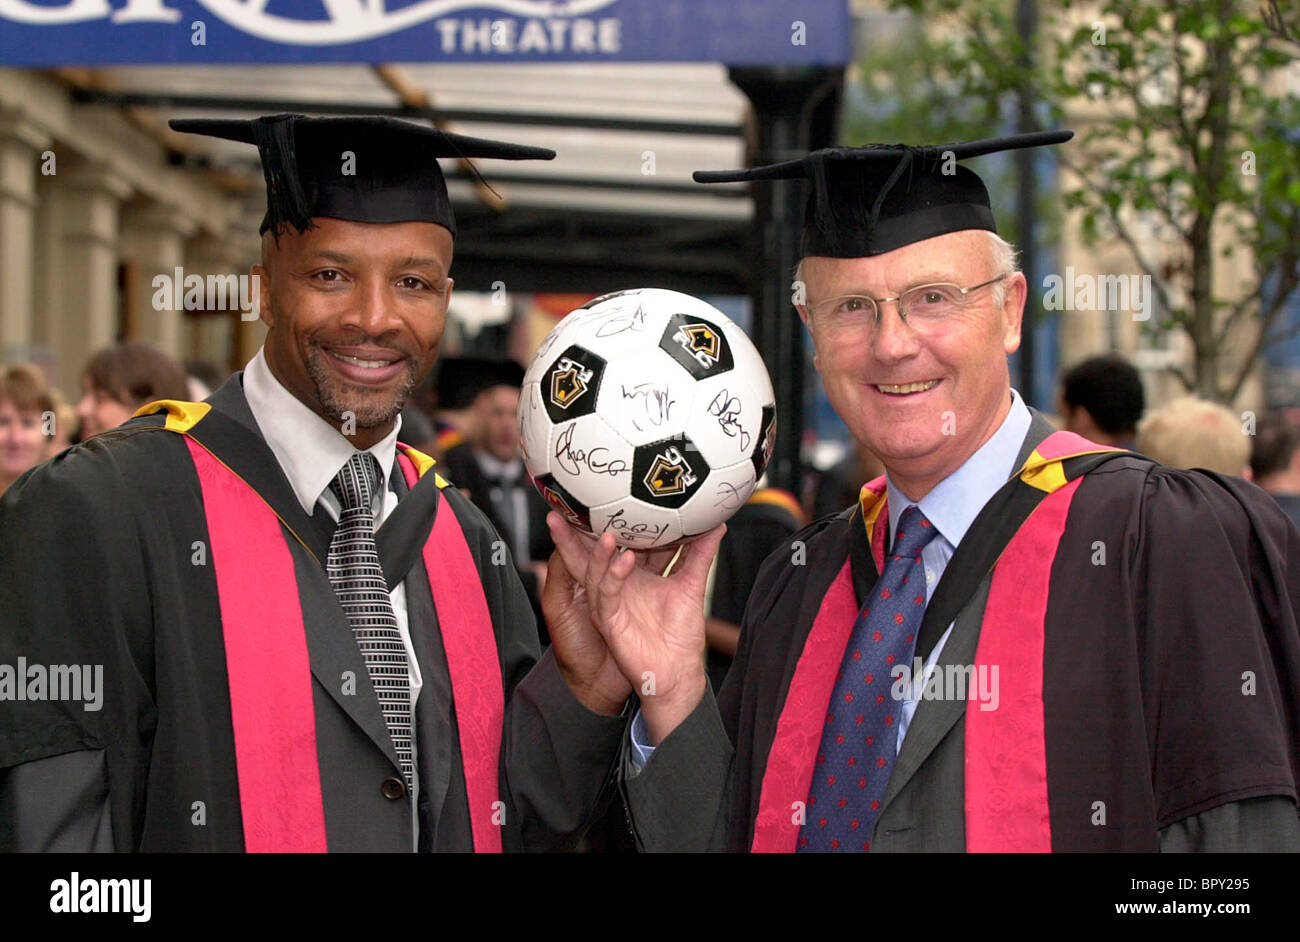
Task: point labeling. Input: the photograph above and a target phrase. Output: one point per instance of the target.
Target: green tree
(1189, 131)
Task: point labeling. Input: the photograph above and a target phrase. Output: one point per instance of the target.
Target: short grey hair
(1005, 262)
(1004, 258)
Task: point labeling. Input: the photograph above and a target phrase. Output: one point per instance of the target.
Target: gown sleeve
(1215, 593)
(56, 805)
(557, 756)
(1256, 825)
(73, 593)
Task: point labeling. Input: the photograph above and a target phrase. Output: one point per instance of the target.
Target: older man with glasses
(1015, 640)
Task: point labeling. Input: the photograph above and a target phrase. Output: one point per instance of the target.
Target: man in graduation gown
(1016, 640)
(260, 622)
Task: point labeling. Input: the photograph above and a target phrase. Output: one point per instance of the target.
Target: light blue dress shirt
(952, 507)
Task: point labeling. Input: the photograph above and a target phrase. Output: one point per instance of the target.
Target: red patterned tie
(859, 739)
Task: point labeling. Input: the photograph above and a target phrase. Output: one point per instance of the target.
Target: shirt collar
(309, 449)
(956, 501)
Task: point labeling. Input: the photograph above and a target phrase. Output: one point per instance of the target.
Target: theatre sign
(100, 32)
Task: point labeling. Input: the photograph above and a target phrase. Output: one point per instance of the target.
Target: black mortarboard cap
(504, 373)
(871, 200)
(391, 174)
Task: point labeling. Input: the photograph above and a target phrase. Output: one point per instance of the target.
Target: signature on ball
(619, 323)
(655, 401)
(728, 496)
(727, 408)
(574, 460)
(634, 532)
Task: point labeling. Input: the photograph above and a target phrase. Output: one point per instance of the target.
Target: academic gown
(1165, 717)
(101, 563)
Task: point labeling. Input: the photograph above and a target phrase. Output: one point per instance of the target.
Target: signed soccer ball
(648, 413)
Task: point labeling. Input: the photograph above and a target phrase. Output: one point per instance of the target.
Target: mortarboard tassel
(285, 199)
(904, 163)
(824, 218)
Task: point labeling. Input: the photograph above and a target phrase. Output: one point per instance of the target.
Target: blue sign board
(194, 32)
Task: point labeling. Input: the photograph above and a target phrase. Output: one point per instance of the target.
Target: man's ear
(1013, 311)
(803, 316)
(262, 294)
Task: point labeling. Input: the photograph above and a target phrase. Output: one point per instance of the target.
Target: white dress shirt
(311, 452)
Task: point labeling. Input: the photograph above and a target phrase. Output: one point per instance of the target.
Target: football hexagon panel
(727, 416)
(534, 431)
(646, 396)
(698, 344)
(636, 524)
(569, 507)
(569, 384)
(590, 460)
(668, 472)
(723, 494)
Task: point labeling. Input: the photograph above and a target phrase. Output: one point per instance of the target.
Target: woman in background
(27, 409)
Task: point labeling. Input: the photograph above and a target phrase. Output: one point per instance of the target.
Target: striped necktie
(860, 739)
(362, 590)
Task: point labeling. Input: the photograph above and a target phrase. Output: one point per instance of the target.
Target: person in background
(456, 421)
(25, 404)
(118, 380)
(764, 524)
(490, 472)
(1195, 433)
(65, 425)
(1102, 400)
(1275, 462)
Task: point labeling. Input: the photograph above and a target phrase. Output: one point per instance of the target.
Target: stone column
(153, 237)
(21, 144)
(88, 202)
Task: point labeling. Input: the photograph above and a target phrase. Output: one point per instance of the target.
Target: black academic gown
(1143, 686)
(97, 566)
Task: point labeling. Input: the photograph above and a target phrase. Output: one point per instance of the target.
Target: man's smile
(905, 389)
(365, 365)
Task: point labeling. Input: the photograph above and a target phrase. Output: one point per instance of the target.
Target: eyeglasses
(921, 308)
